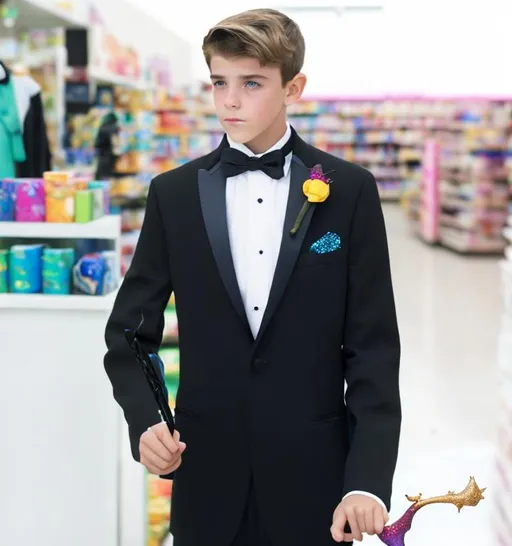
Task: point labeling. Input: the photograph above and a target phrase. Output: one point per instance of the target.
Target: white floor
(449, 311)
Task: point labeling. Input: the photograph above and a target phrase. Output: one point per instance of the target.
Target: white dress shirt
(256, 207)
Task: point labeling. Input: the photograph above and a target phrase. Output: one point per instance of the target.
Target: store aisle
(449, 311)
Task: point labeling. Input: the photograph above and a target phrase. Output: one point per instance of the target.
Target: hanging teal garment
(12, 148)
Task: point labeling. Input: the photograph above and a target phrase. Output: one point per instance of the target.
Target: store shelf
(57, 302)
(390, 195)
(468, 243)
(103, 76)
(108, 227)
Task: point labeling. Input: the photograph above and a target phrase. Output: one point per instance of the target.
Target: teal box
(4, 280)
(25, 269)
(98, 203)
(57, 270)
(105, 186)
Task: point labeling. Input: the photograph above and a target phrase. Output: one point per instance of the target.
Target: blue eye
(253, 85)
(218, 83)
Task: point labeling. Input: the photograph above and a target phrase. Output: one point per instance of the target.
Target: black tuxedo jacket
(273, 409)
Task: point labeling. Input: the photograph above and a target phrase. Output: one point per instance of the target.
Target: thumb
(338, 524)
(181, 445)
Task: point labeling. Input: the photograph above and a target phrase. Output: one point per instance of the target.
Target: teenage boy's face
(249, 98)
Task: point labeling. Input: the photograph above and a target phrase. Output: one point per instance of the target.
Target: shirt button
(260, 200)
(261, 251)
(256, 308)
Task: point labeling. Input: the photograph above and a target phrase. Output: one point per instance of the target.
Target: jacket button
(259, 364)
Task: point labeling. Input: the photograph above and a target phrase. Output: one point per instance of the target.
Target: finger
(151, 442)
(151, 469)
(181, 445)
(369, 521)
(386, 517)
(354, 525)
(378, 520)
(338, 525)
(175, 466)
(162, 433)
(171, 468)
(168, 468)
(361, 518)
(153, 462)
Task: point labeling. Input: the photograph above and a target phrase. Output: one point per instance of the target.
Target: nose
(232, 100)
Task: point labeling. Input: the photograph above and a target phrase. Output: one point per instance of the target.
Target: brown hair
(264, 34)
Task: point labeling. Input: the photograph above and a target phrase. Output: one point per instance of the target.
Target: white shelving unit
(55, 302)
(108, 227)
(61, 427)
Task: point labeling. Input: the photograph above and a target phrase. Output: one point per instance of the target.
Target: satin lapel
(212, 193)
(290, 245)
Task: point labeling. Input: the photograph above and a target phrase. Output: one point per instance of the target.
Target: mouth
(233, 120)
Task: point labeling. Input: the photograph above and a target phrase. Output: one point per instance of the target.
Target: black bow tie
(235, 162)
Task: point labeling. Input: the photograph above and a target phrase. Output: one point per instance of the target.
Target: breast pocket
(309, 259)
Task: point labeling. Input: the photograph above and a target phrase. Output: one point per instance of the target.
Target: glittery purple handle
(394, 535)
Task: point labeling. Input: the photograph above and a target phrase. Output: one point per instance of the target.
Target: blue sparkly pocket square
(330, 242)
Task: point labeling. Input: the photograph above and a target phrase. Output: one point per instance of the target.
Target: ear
(295, 88)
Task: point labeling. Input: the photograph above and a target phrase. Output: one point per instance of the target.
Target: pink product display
(429, 220)
(30, 201)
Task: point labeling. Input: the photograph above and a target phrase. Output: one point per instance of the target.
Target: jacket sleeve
(146, 288)
(36, 141)
(371, 352)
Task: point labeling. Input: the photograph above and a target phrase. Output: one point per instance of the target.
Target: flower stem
(300, 217)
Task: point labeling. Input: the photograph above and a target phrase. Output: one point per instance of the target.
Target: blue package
(105, 186)
(89, 274)
(56, 270)
(7, 200)
(25, 275)
(111, 277)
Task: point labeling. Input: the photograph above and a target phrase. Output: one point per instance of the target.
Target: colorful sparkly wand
(394, 534)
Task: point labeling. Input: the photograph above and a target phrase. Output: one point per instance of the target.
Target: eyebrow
(245, 77)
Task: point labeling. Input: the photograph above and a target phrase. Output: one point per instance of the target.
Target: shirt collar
(279, 144)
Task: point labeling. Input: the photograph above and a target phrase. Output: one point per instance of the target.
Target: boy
(273, 321)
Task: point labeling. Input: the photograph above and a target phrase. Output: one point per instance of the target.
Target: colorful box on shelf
(59, 197)
(171, 359)
(39, 269)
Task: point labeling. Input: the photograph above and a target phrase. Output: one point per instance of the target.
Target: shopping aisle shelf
(107, 227)
(58, 302)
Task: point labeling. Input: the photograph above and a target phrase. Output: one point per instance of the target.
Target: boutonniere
(316, 189)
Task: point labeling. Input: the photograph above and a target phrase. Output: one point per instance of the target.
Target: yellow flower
(317, 191)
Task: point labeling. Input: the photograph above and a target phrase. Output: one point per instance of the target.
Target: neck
(269, 137)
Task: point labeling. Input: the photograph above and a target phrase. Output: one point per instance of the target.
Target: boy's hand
(362, 513)
(160, 452)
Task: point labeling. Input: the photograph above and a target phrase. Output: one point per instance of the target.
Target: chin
(240, 135)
